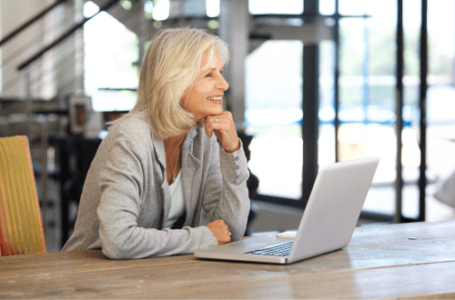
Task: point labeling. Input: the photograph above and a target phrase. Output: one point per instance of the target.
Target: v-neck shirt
(177, 206)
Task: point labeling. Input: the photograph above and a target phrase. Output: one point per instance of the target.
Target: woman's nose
(223, 84)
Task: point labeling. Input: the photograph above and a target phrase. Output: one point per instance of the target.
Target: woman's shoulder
(135, 127)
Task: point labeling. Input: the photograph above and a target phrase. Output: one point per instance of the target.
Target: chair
(21, 228)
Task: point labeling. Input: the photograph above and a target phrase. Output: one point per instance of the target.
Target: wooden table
(380, 262)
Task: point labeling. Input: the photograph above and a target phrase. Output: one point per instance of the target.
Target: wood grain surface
(380, 262)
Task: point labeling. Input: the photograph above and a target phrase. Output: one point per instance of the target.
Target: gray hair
(170, 66)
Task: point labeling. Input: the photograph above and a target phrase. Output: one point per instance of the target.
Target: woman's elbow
(114, 248)
(113, 252)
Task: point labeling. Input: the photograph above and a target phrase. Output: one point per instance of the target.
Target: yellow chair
(21, 228)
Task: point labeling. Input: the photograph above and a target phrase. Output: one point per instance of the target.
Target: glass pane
(326, 143)
(367, 94)
(354, 7)
(109, 62)
(273, 7)
(327, 7)
(273, 115)
(212, 8)
(440, 101)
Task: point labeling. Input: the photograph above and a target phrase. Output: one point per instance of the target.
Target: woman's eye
(208, 75)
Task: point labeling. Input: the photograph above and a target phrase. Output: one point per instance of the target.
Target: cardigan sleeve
(226, 194)
(121, 185)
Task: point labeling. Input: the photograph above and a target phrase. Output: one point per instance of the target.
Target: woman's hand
(220, 231)
(224, 130)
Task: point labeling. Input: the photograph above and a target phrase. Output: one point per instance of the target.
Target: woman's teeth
(215, 98)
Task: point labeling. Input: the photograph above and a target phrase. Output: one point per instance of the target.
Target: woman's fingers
(213, 123)
(224, 128)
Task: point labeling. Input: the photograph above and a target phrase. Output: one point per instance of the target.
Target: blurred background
(312, 82)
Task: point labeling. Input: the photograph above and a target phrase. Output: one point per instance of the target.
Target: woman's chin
(214, 111)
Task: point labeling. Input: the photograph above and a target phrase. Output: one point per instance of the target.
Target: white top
(177, 206)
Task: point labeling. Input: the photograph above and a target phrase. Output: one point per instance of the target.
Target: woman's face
(204, 97)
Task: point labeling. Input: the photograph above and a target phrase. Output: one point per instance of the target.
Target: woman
(175, 154)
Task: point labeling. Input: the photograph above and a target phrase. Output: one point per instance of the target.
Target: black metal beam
(310, 107)
(30, 22)
(310, 123)
(399, 112)
(311, 7)
(117, 89)
(423, 109)
(336, 89)
(64, 36)
(376, 217)
(278, 200)
(306, 16)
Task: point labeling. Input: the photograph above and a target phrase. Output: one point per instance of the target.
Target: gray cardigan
(126, 199)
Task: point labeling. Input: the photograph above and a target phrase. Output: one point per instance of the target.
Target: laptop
(327, 224)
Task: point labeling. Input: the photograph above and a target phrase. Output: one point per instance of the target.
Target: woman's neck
(174, 142)
(172, 149)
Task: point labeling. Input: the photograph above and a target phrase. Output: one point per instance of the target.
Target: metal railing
(30, 22)
(66, 35)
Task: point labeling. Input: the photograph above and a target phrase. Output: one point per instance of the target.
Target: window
(110, 53)
(273, 115)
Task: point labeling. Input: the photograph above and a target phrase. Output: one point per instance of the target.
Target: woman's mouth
(215, 98)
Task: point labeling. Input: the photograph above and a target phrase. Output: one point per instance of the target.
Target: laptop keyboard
(282, 249)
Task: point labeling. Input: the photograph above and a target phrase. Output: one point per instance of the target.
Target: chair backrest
(21, 228)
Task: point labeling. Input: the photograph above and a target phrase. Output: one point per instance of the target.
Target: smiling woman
(172, 70)
(161, 165)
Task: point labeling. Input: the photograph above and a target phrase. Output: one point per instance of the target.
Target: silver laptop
(327, 224)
